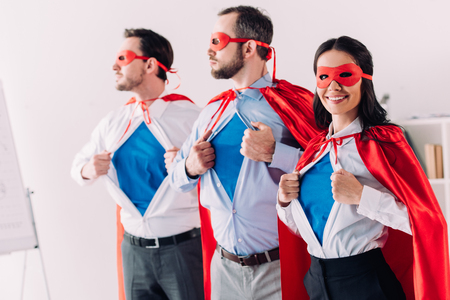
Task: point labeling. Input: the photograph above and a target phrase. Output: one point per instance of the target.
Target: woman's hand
(289, 188)
(345, 187)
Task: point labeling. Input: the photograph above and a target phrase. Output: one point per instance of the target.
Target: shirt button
(239, 240)
(234, 211)
(218, 185)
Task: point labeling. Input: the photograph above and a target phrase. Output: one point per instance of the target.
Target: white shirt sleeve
(285, 215)
(384, 208)
(94, 146)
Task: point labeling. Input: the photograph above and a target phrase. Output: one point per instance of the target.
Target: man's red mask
(220, 40)
(126, 56)
(348, 75)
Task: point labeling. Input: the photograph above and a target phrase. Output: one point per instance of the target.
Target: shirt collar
(157, 108)
(262, 82)
(353, 127)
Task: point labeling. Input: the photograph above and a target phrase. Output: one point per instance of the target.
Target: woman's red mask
(348, 75)
(220, 40)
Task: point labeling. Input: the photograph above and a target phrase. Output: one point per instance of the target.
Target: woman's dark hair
(153, 45)
(370, 111)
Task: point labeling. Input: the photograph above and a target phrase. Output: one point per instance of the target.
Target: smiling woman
(358, 194)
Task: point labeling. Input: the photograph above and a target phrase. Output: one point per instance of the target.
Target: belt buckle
(156, 244)
(241, 261)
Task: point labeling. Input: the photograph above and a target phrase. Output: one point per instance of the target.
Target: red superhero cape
(169, 97)
(120, 229)
(420, 261)
(294, 106)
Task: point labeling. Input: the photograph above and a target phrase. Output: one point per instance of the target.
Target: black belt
(250, 260)
(157, 242)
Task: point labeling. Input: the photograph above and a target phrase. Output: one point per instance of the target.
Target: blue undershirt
(316, 197)
(228, 161)
(140, 167)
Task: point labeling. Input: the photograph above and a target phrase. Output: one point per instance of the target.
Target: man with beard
(238, 149)
(130, 151)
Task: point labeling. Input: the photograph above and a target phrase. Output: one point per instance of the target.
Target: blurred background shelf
(432, 131)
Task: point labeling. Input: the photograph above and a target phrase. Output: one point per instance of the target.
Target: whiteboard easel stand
(37, 247)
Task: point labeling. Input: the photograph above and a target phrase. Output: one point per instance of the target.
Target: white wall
(55, 62)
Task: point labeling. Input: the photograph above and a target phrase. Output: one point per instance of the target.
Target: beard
(130, 82)
(227, 71)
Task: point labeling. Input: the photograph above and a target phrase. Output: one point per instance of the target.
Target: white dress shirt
(350, 229)
(169, 212)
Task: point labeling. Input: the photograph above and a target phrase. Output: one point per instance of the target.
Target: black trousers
(364, 276)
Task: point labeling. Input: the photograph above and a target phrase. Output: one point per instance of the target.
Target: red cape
(120, 229)
(294, 106)
(420, 261)
(169, 97)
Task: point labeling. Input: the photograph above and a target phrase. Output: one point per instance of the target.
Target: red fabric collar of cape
(170, 97)
(292, 103)
(294, 106)
(420, 261)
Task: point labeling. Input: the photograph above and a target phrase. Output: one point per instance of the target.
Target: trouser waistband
(164, 241)
(250, 260)
(346, 266)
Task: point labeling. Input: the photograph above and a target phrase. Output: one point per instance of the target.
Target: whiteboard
(17, 231)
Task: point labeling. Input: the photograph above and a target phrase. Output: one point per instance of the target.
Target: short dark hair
(252, 23)
(153, 45)
(370, 111)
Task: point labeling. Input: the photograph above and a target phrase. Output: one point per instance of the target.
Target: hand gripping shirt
(293, 106)
(421, 260)
(248, 224)
(169, 212)
(350, 229)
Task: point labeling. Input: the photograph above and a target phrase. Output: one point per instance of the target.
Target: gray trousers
(172, 272)
(230, 280)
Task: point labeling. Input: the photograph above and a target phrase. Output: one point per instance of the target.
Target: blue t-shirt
(227, 146)
(140, 167)
(316, 197)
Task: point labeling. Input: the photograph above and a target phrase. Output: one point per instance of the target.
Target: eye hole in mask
(220, 40)
(126, 56)
(347, 75)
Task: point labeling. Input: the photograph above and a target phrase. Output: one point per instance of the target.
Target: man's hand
(169, 156)
(97, 166)
(201, 158)
(289, 188)
(345, 187)
(258, 145)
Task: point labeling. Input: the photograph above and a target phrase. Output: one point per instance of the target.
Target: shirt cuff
(285, 157)
(384, 208)
(181, 174)
(285, 215)
(369, 205)
(76, 175)
(284, 212)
